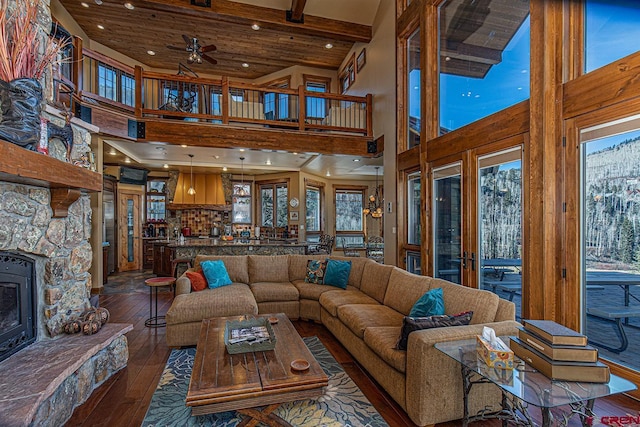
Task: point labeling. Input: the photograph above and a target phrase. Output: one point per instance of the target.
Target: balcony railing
(147, 94)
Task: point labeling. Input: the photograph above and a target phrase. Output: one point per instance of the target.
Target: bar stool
(154, 283)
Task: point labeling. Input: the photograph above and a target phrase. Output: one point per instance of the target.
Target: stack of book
(558, 352)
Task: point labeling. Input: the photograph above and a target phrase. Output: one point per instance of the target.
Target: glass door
(130, 230)
(448, 257)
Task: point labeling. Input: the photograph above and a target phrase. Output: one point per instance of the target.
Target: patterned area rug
(342, 404)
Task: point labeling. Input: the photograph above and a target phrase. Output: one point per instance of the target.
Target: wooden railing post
(225, 100)
(369, 114)
(76, 65)
(302, 108)
(138, 102)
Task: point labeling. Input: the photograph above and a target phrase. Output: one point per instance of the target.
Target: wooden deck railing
(219, 101)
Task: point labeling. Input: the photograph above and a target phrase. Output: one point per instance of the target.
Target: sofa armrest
(434, 382)
(183, 283)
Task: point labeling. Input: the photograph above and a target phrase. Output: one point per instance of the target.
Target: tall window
(413, 89)
(116, 85)
(349, 218)
(313, 209)
(274, 205)
(484, 60)
(611, 28)
(413, 209)
(316, 107)
(348, 74)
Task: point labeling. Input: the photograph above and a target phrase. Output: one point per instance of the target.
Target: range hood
(209, 191)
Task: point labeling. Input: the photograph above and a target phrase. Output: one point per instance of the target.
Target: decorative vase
(20, 104)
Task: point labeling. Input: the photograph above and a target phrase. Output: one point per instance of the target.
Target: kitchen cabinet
(156, 203)
(162, 257)
(147, 253)
(241, 204)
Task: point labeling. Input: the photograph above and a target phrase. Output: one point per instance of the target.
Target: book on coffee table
(593, 372)
(555, 333)
(568, 353)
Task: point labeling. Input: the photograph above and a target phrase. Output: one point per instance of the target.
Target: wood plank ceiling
(278, 44)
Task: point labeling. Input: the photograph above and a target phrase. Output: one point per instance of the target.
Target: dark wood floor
(123, 399)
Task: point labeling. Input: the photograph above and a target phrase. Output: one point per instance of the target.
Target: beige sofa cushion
(298, 265)
(405, 289)
(232, 300)
(274, 291)
(375, 278)
(237, 265)
(358, 317)
(268, 268)
(311, 290)
(457, 299)
(357, 267)
(382, 340)
(331, 300)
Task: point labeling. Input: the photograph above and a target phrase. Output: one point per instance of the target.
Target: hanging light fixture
(241, 192)
(191, 191)
(374, 207)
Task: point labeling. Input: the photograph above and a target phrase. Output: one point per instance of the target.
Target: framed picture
(362, 60)
(293, 215)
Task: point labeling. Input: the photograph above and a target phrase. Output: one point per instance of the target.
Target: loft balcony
(145, 106)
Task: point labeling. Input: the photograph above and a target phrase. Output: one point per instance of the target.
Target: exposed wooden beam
(297, 9)
(231, 11)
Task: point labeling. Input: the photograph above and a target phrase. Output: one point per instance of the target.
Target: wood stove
(17, 303)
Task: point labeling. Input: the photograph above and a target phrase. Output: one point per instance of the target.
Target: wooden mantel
(65, 180)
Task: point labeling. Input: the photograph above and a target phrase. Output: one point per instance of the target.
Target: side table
(154, 283)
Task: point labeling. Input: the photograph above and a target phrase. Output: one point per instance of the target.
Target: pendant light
(191, 191)
(242, 192)
(374, 207)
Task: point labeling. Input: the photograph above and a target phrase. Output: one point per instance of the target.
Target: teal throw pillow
(315, 271)
(337, 273)
(429, 304)
(216, 274)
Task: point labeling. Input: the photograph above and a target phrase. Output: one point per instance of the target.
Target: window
(413, 90)
(116, 85)
(274, 202)
(348, 74)
(313, 209)
(413, 209)
(479, 60)
(316, 108)
(611, 26)
(276, 105)
(349, 217)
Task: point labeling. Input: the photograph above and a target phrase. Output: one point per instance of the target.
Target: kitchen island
(170, 250)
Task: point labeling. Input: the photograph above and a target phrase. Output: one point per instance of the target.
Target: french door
(476, 222)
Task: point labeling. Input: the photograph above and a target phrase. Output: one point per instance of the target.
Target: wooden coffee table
(243, 382)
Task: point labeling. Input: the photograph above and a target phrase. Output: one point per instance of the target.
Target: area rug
(342, 403)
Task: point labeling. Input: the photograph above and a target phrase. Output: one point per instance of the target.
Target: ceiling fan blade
(188, 40)
(209, 48)
(209, 59)
(176, 48)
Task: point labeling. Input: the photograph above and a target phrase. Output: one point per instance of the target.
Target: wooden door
(129, 231)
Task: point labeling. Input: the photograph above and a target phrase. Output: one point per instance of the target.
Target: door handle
(463, 258)
(473, 261)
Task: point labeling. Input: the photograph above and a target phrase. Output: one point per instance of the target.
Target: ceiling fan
(196, 51)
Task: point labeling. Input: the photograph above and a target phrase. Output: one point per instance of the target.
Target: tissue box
(494, 358)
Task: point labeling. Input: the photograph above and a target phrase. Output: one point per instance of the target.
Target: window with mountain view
(610, 28)
(349, 217)
(312, 209)
(484, 59)
(413, 90)
(611, 238)
(274, 204)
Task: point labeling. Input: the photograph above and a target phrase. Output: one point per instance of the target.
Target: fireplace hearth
(17, 303)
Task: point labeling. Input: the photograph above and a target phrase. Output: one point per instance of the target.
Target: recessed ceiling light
(166, 166)
(255, 27)
(83, 4)
(98, 2)
(183, 145)
(216, 157)
(101, 27)
(328, 46)
(151, 52)
(245, 65)
(242, 150)
(224, 168)
(127, 160)
(356, 160)
(295, 153)
(447, 58)
(268, 163)
(129, 6)
(161, 148)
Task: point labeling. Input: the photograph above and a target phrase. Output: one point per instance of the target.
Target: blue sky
(612, 32)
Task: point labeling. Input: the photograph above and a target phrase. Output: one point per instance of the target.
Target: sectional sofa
(366, 318)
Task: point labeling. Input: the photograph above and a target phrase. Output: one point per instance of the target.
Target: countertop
(217, 242)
